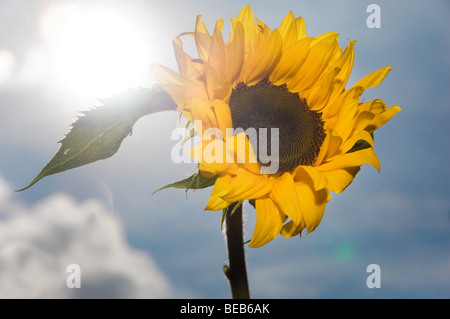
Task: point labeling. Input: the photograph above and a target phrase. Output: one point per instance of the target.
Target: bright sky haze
(58, 57)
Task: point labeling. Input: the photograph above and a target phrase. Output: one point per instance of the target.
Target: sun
(96, 52)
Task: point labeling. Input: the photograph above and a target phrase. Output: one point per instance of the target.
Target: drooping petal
(313, 206)
(285, 196)
(246, 185)
(187, 68)
(269, 221)
(216, 202)
(202, 39)
(177, 86)
(304, 174)
(340, 179)
(382, 118)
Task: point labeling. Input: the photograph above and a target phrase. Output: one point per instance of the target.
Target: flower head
(275, 79)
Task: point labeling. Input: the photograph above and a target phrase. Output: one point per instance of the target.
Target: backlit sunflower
(263, 78)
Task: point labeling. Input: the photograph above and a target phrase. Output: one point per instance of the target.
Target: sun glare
(96, 53)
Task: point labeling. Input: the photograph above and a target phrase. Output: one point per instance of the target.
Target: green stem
(236, 271)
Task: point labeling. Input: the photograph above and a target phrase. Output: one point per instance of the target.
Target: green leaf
(99, 133)
(195, 181)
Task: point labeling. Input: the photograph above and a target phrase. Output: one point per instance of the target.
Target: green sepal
(195, 181)
(224, 212)
(190, 134)
(360, 145)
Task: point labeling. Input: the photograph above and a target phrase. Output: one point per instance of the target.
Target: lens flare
(96, 52)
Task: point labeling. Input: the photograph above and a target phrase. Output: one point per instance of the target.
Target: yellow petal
(338, 180)
(223, 116)
(203, 111)
(269, 221)
(216, 202)
(246, 185)
(374, 78)
(356, 136)
(285, 196)
(346, 118)
(248, 22)
(262, 33)
(322, 50)
(202, 39)
(333, 108)
(308, 174)
(319, 94)
(345, 65)
(382, 118)
(362, 120)
(241, 151)
(185, 65)
(285, 25)
(264, 60)
(312, 205)
(323, 148)
(358, 158)
(210, 155)
(292, 58)
(288, 30)
(301, 28)
(175, 84)
(376, 106)
(234, 52)
(334, 144)
(291, 229)
(217, 51)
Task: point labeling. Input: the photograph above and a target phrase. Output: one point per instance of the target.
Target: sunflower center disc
(266, 106)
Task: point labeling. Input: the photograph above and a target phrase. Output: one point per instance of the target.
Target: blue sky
(130, 243)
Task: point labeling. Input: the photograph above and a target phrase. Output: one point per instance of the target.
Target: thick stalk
(236, 271)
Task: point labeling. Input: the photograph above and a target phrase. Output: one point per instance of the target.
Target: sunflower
(281, 78)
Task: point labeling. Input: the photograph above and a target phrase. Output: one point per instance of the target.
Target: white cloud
(38, 243)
